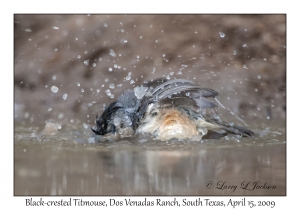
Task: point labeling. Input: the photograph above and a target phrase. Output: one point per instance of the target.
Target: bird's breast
(176, 125)
(171, 123)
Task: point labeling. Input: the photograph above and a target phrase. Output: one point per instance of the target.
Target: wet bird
(164, 110)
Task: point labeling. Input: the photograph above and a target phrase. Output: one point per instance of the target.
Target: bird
(166, 109)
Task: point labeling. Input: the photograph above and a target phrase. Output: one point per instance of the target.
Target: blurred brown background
(243, 57)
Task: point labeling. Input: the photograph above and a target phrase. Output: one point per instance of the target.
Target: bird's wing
(172, 82)
(215, 124)
(185, 89)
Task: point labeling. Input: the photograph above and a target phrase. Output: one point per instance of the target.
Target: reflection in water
(66, 167)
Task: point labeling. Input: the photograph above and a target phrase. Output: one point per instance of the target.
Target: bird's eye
(154, 114)
(122, 125)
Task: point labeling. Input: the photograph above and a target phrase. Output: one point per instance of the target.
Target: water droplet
(106, 80)
(60, 116)
(78, 56)
(86, 62)
(85, 126)
(54, 77)
(65, 96)
(94, 64)
(222, 35)
(82, 90)
(55, 27)
(258, 76)
(49, 109)
(128, 77)
(234, 52)
(140, 91)
(108, 93)
(112, 53)
(110, 69)
(132, 81)
(141, 37)
(54, 89)
(153, 70)
(244, 45)
(112, 85)
(28, 30)
(78, 84)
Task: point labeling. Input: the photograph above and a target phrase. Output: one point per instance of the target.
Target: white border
(154, 6)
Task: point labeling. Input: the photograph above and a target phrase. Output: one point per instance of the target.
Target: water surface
(72, 163)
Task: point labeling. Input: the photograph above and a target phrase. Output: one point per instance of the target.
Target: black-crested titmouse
(166, 109)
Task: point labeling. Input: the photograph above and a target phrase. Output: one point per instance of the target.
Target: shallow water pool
(72, 163)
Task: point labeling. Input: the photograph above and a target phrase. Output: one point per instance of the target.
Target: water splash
(231, 112)
(54, 89)
(222, 35)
